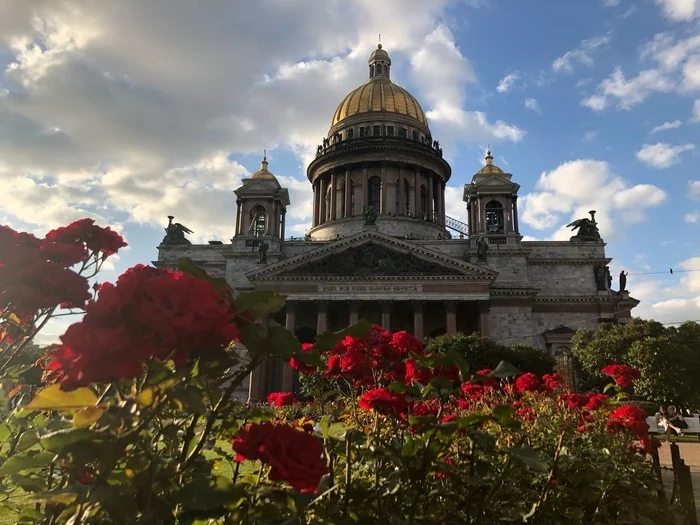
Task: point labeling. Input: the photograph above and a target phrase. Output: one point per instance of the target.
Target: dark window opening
(390, 131)
(374, 193)
(494, 217)
(424, 201)
(415, 134)
(351, 133)
(363, 131)
(376, 131)
(406, 196)
(402, 132)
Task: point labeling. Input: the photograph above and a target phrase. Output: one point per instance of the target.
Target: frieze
(371, 259)
(378, 288)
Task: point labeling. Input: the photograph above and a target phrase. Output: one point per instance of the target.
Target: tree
(481, 352)
(667, 357)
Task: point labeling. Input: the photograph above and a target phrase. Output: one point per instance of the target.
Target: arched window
(258, 223)
(423, 201)
(374, 193)
(564, 360)
(494, 217)
(407, 196)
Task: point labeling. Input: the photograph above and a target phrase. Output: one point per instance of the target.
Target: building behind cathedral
(381, 247)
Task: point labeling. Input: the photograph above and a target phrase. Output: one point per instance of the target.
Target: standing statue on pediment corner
(482, 248)
(263, 247)
(600, 273)
(623, 281)
(369, 214)
(175, 234)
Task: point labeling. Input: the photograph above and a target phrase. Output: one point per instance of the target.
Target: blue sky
(129, 114)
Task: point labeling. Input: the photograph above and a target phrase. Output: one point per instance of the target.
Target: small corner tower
(492, 204)
(262, 205)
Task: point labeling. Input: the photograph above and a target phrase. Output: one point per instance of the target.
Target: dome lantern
(379, 63)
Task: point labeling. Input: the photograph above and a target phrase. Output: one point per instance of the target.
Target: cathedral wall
(511, 268)
(562, 279)
(511, 325)
(564, 249)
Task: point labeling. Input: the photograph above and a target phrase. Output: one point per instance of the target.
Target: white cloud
(692, 217)
(582, 54)
(130, 129)
(662, 155)
(611, 3)
(694, 189)
(628, 92)
(696, 112)
(666, 126)
(573, 188)
(680, 10)
(443, 82)
(531, 103)
(507, 82)
(691, 74)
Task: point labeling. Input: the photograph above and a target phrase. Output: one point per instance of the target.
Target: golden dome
(263, 173)
(490, 168)
(379, 93)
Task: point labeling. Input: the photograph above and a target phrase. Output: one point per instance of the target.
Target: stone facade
(381, 247)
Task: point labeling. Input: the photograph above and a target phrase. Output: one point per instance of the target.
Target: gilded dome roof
(490, 168)
(263, 173)
(379, 93)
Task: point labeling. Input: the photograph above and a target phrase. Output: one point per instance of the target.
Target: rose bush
(134, 421)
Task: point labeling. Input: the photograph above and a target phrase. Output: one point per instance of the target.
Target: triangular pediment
(370, 255)
(257, 186)
(495, 180)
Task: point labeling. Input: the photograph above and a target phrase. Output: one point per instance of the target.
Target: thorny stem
(550, 476)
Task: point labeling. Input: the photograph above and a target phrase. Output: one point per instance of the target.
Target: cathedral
(382, 248)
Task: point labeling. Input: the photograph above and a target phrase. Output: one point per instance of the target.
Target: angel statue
(175, 233)
(587, 229)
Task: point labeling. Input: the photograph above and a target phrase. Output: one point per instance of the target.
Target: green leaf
(189, 398)
(284, 342)
(260, 302)
(504, 370)
(58, 440)
(502, 413)
(529, 458)
(53, 398)
(5, 432)
(187, 265)
(325, 425)
(472, 420)
(26, 441)
(207, 494)
(87, 416)
(461, 363)
(328, 340)
(25, 461)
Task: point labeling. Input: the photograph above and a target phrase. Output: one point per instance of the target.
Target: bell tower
(262, 205)
(492, 204)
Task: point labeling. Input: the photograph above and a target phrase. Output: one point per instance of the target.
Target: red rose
(86, 234)
(149, 313)
(295, 456)
(574, 400)
(553, 381)
(384, 401)
(527, 382)
(406, 344)
(623, 375)
(595, 401)
(472, 391)
(299, 365)
(629, 417)
(417, 371)
(281, 399)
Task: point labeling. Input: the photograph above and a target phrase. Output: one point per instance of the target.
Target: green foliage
(667, 357)
(480, 352)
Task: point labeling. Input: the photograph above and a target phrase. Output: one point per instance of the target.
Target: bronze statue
(587, 229)
(599, 271)
(608, 277)
(482, 248)
(623, 280)
(370, 215)
(175, 233)
(262, 251)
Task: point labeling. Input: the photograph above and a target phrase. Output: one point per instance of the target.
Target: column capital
(291, 306)
(418, 306)
(450, 306)
(322, 305)
(353, 305)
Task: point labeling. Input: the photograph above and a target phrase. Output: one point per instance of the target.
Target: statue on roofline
(482, 248)
(263, 247)
(175, 233)
(370, 215)
(587, 229)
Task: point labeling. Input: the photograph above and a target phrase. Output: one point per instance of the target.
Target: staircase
(450, 222)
